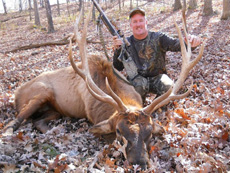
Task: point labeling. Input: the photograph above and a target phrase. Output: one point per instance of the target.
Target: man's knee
(165, 84)
(165, 80)
(160, 84)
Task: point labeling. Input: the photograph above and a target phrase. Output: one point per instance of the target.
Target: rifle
(105, 20)
(127, 60)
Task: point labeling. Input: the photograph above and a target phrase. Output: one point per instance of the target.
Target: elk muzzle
(135, 138)
(137, 153)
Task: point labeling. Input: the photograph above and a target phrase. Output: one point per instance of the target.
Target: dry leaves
(197, 137)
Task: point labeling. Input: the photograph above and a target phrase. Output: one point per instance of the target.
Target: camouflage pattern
(149, 57)
(157, 85)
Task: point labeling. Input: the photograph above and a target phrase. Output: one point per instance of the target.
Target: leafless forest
(197, 137)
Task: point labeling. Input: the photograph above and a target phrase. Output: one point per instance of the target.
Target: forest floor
(197, 137)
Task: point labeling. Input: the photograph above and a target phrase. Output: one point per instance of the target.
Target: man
(146, 70)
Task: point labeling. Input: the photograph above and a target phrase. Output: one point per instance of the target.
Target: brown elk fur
(66, 92)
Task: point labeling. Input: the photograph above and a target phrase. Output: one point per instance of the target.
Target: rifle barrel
(106, 21)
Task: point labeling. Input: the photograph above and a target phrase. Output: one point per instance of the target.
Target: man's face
(138, 24)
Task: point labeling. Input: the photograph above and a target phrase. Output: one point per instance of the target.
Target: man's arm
(173, 44)
(117, 42)
(116, 63)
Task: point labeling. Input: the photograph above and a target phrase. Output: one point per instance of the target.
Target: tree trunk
(4, 6)
(207, 8)
(83, 8)
(30, 8)
(42, 3)
(36, 14)
(49, 16)
(177, 5)
(192, 4)
(119, 1)
(226, 10)
(106, 5)
(58, 8)
(20, 5)
(80, 5)
(67, 2)
(93, 14)
(131, 5)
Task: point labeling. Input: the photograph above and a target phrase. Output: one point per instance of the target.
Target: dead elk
(92, 91)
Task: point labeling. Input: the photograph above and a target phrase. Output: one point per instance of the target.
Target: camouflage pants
(156, 85)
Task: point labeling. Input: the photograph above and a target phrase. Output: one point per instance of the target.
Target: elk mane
(101, 68)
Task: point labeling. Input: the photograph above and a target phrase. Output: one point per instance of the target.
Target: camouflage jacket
(149, 53)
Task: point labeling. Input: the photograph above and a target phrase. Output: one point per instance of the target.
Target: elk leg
(33, 105)
(41, 123)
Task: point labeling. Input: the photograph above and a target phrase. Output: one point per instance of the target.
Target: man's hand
(194, 40)
(117, 42)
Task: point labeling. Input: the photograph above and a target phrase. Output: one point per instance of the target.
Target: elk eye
(118, 132)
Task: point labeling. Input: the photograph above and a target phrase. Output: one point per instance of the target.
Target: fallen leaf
(110, 162)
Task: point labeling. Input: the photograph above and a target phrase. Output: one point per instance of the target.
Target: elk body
(92, 91)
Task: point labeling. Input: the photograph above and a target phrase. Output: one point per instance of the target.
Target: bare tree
(20, 5)
(36, 14)
(131, 4)
(58, 5)
(207, 10)
(192, 4)
(226, 10)
(30, 8)
(93, 14)
(80, 5)
(42, 3)
(119, 2)
(49, 17)
(67, 2)
(4, 6)
(177, 5)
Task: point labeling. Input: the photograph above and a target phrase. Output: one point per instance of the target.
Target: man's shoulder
(129, 38)
(156, 34)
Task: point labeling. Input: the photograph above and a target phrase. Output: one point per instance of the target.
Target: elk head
(133, 125)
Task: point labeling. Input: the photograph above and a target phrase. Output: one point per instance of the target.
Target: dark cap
(136, 11)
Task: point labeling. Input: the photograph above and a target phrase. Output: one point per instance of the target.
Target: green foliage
(2, 26)
(11, 26)
(65, 19)
(50, 150)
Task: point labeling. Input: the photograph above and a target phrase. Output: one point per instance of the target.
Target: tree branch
(63, 41)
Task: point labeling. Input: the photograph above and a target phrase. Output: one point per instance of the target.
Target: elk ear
(104, 127)
(157, 129)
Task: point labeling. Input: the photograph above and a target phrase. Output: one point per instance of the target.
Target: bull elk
(92, 91)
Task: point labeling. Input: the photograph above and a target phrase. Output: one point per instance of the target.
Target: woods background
(34, 39)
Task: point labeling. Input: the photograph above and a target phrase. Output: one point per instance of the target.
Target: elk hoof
(11, 126)
(8, 131)
(41, 126)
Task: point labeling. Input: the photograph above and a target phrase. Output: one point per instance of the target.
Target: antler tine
(187, 65)
(121, 105)
(76, 69)
(104, 98)
(172, 97)
(82, 40)
(112, 99)
(149, 109)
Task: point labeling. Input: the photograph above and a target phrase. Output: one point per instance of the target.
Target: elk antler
(112, 98)
(187, 65)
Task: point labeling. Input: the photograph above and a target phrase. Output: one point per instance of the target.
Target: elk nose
(142, 164)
